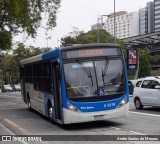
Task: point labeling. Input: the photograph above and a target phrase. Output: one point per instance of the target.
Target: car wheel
(138, 104)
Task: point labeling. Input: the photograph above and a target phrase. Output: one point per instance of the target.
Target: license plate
(99, 117)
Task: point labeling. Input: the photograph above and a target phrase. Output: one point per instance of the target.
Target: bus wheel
(29, 104)
(50, 112)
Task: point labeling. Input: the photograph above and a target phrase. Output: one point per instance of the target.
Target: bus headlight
(122, 103)
(72, 108)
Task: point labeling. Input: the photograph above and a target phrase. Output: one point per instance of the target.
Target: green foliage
(9, 64)
(155, 73)
(5, 40)
(144, 63)
(131, 77)
(90, 37)
(155, 59)
(27, 14)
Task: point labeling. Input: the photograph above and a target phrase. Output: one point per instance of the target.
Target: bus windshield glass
(94, 78)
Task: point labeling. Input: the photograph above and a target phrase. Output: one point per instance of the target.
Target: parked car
(6, 88)
(147, 92)
(17, 88)
(131, 85)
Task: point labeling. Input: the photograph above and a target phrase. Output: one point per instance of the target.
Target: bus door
(57, 89)
(23, 92)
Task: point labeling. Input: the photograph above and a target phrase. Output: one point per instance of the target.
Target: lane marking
(15, 125)
(11, 96)
(144, 114)
(116, 128)
(137, 133)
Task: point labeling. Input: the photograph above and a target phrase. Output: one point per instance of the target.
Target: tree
(5, 40)
(9, 64)
(25, 15)
(21, 52)
(90, 37)
(9, 68)
(155, 59)
(144, 61)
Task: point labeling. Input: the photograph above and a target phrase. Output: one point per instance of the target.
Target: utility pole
(114, 24)
(98, 29)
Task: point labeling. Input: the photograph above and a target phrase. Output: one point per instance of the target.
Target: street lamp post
(98, 29)
(45, 38)
(99, 25)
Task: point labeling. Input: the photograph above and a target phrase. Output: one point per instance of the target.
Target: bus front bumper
(78, 117)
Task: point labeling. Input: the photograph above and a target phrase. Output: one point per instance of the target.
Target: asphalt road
(15, 119)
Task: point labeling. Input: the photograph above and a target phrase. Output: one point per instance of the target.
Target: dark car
(131, 85)
(17, 88)
(6, 88)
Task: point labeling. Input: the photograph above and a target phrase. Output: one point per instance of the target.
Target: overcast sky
(81, 14)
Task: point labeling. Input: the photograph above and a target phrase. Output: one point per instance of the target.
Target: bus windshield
(94, 78)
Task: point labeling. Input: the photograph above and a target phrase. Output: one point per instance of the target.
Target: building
(157, 15)
(146, 19)
(127, 24)
(150, 7)
(143, 21)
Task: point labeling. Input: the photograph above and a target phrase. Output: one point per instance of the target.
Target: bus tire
(49, 111)
(29, 103)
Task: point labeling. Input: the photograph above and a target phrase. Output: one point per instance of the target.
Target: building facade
(143, 21)
(127, 24)
(146, 19)
(157, 15)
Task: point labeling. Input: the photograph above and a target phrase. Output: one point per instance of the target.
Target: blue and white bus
(78, 83)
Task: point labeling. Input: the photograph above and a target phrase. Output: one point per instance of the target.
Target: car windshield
(17, 86)
(94, 78)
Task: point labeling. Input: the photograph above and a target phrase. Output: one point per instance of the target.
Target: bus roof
(31, 59)
(77, 46)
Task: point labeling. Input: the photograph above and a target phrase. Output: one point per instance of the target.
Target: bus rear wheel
(50, 112)
(29, 104)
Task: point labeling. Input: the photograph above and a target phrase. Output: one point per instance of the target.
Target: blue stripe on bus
(126, 77)
(51, 54)
(97, 106)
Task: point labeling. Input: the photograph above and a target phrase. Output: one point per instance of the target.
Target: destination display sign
(91, 53)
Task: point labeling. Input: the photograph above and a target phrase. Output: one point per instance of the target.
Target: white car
(147, 92)
(17, 88)
(6, 88)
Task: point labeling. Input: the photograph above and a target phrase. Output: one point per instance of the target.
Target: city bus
(78, 83)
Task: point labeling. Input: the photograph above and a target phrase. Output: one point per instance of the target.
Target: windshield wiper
(105, 70)
(86, 71)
